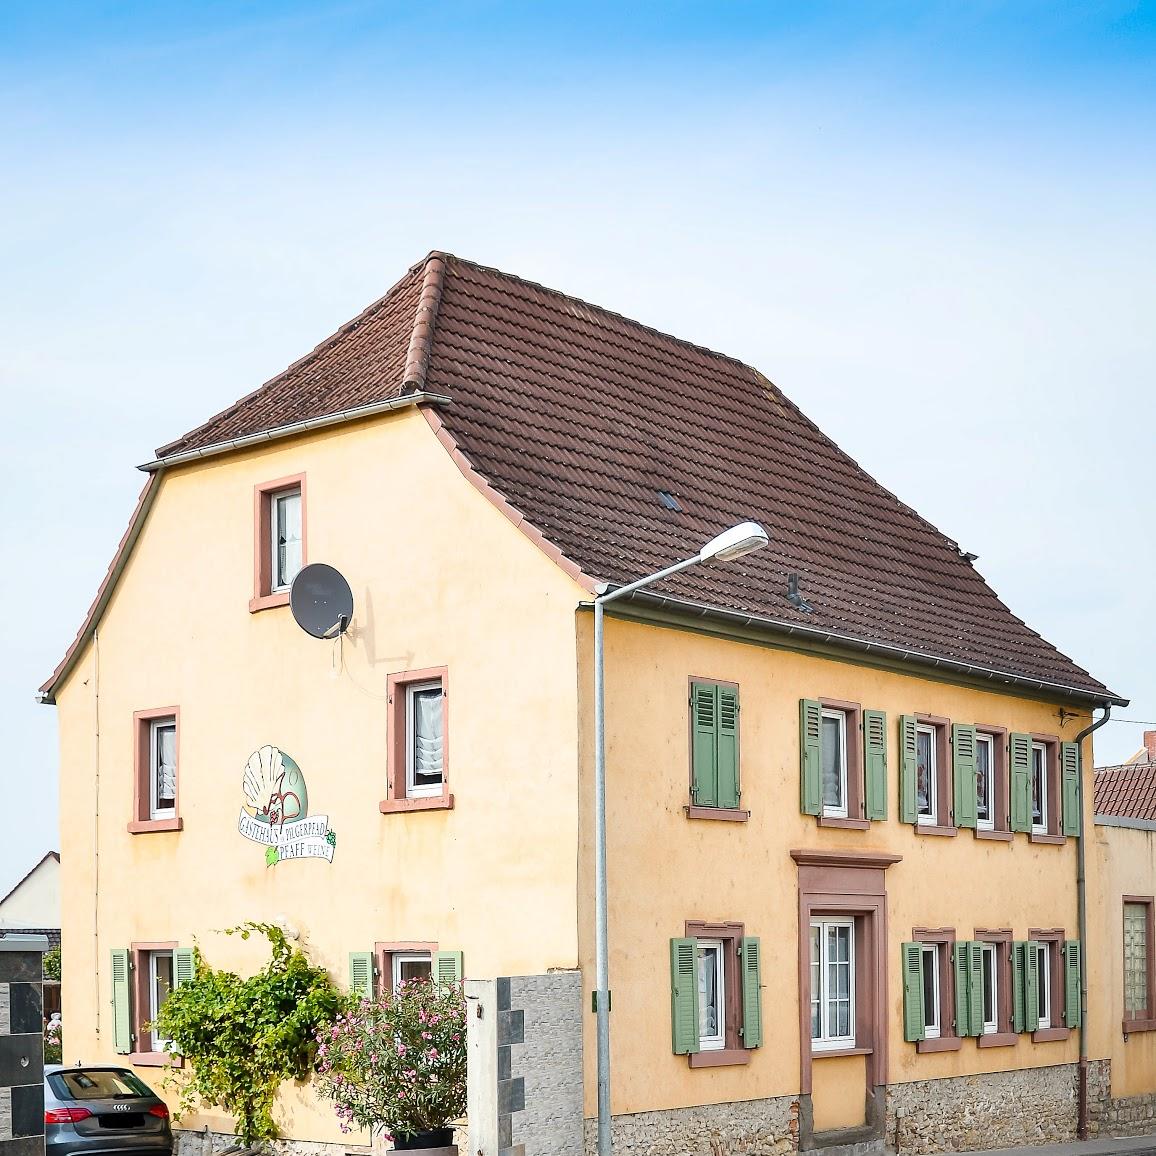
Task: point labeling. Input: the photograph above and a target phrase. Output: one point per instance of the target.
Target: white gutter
(297, 427)
(703, 610)
(1120, 821)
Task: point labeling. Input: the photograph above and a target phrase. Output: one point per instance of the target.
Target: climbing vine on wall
(242, 1038)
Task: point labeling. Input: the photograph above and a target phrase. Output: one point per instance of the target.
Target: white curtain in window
(708, 1009)
(288, 538)
(427, 730)
(166, 766)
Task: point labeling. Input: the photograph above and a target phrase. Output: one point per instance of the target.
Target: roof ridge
(338, 333)
(424, 322)
(632, 321)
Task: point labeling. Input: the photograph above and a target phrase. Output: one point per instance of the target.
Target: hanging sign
(276, 810)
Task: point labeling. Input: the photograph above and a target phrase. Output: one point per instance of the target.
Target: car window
(96, 1084)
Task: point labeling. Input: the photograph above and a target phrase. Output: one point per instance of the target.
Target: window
(832, 984)
(406, 966)
(926, 776)
(1039, 789)
(711, 995)
(279, 535)
(985, 782)
(989, 970)
(156, 771)
(1044, 984)
(716, 1001)
(160, 981)
(424, 739)
(162, 767)
(714, 751)
(930, 991)
(834, 762)
(285, 537)
(1138, 964)
(418, 750)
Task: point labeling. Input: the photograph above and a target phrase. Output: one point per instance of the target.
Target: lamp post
(726, 547)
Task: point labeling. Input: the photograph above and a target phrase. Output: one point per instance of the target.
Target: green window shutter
(1020, 766)
(121, 1002)
(361, 974)
(727, 759)
(184, 965)
(962, 961)
(810, 756)
(684, 996)
(1032, 987)
(908, 760)
(963, 765)
(1019, 982)
(750, 960)
(1072, 953)
(448, 966)
(975, 989)
(704, 744)
(913, 1018)
(875, 762)
(1070, 779)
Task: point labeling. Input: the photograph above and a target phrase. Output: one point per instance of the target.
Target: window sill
(850, 824)
(1130, 1026)
(154, 1060)
(1056, 840)
(1000, 836)
(722, 1058)
(998, 1040)
(434, 803)
(932, 829)
(144, 826)
(825, 1053)
(940, 1044)
(268, 601)
(729, 814)
(1049, 1035)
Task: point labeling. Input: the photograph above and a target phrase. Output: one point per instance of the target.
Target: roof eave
(905, 655)
(339, 417)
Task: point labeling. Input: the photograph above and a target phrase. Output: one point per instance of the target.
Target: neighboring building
(1125, 815)
(844, 790)
(32, 907)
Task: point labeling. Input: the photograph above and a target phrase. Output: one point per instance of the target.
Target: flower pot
(436, 1140)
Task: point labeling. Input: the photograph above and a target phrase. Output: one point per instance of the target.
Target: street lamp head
(734, 543)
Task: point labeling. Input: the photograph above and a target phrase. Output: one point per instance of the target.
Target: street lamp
(726, 547)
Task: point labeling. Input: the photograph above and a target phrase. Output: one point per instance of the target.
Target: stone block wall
(22, 1045)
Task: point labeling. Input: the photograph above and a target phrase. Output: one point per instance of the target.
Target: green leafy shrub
(242, 1038)
(52, 964)
(53, 1043)
(397, 1062)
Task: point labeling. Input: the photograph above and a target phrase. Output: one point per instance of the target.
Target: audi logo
(120, 1107)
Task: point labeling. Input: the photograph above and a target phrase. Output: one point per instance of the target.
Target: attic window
(669, 501)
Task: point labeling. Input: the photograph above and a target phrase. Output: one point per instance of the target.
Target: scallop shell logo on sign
(276, 810)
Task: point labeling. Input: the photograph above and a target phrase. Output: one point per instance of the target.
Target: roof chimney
(1150, 745)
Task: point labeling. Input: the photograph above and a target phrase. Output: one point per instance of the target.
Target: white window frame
(1040, 828)
(718, 1041)
(156, 811)
(825, 1041)
(990, 951)
(1044, 981)
(830, 812)
(159, 1043)
(423, 790)
(929, 952)
(988, 742)
(399, 957)
(275, 497)
(931, 820)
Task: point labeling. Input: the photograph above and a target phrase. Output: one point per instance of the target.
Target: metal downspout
(1082, 932)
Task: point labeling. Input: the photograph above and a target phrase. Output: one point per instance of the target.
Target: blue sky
(930, 223)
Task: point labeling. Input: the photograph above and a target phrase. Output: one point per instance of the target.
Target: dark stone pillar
(22, 1044)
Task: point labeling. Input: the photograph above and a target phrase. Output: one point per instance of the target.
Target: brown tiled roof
(1127, 791)
(578, 418)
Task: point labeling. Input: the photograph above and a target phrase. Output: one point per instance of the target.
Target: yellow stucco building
(845, 784)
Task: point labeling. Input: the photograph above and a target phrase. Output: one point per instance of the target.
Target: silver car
(89, 1110)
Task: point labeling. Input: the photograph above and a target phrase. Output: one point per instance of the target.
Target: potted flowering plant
(397, 1064)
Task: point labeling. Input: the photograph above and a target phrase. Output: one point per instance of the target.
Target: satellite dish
(321, 601)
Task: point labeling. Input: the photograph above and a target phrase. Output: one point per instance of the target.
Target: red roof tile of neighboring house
(1126, 792)
(577, 418)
